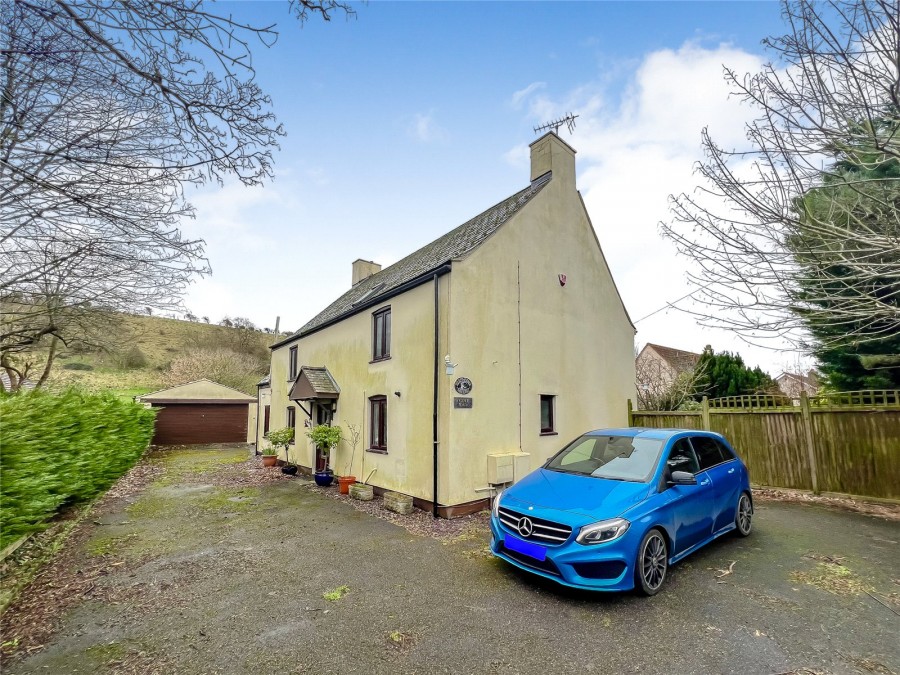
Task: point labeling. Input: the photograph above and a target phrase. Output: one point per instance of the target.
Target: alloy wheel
(745, 515)
(653, 561)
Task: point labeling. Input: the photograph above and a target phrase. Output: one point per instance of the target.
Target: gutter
(402, 288)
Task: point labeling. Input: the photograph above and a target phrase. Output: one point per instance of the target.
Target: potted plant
(325, 439)
(349, 479)
(282, 438)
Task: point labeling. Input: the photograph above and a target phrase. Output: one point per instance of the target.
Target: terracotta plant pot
(269, 460)
(345, 482)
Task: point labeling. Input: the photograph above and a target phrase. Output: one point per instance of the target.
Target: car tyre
(743, 520)
(652, 563)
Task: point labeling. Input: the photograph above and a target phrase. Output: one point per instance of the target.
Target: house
(470, 361)
(794, 383)
(665, 363)
(201, 412)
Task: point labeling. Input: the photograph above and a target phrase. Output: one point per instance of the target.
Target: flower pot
(289, 469)
(362, 492)
(269, 460)
(345, 482)
(323, 478)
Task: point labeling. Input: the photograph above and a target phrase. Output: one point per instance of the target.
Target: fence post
(630, 414)
(704, 411)
(806, 413)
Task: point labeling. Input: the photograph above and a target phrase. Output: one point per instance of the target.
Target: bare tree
(659, 388)
(801, 232)
(107, 111)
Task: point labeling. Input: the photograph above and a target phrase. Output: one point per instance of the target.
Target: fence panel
(771, 444)
(858, 452)
(847, 442)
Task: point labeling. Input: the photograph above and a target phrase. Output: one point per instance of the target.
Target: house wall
(345, 349)
(510, 318)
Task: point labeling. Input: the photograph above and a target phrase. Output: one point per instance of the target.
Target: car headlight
(495, 507)
(602, 532)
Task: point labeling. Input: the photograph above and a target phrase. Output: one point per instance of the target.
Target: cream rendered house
(471, 361)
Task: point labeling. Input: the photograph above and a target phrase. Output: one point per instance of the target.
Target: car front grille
(542, 565)
(542, 531)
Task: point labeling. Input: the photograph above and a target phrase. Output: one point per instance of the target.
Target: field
(159, 341)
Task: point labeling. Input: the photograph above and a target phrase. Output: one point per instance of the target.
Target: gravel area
(201, 561)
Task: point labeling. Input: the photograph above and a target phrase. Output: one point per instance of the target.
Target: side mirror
(682, 478)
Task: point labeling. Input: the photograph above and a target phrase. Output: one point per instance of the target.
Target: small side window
(708, 452)
(548, 414)
(291, 420)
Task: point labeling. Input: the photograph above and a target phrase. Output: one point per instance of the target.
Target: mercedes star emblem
(526, 527)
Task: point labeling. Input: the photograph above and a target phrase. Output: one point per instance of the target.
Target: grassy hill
(142, 348)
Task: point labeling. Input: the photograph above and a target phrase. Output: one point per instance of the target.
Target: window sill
(549, 433)
(379, 360)
(378, 451)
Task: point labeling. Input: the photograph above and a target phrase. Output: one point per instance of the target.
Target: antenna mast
(568, 120)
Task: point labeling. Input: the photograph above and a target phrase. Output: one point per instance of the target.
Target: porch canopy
(314, 384)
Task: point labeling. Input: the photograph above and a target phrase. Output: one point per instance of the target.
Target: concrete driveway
(207, 565)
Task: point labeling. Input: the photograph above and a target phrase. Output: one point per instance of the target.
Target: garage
(201, 412)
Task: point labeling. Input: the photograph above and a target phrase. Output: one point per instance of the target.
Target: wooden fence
(847, 443)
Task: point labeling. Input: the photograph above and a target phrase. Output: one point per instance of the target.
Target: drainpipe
(434, 412)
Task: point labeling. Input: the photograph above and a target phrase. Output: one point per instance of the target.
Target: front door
(322, 415)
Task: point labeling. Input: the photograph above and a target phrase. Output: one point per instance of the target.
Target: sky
(412, 117)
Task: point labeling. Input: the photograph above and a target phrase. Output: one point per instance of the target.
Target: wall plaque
(462, 402)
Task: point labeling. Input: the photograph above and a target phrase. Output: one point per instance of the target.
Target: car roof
(646, 432)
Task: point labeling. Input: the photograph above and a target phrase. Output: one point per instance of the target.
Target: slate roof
(265, 382)
(680, 360)
(454, 245)
(314, 382)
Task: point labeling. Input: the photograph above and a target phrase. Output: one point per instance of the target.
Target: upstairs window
(292, 364)
(381, 334)
(548, 414)
(378, 423)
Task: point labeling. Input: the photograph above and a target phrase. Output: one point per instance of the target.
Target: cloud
(519, 96)
(635, 150)
(425, 129)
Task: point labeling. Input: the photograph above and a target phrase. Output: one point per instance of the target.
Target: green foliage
(325, 437)
(856, 204)
(281, 438)
(725, 374)
(61, 449)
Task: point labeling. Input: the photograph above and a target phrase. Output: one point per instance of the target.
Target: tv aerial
(568, 120)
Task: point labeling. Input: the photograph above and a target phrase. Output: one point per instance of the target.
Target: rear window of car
(709, 451)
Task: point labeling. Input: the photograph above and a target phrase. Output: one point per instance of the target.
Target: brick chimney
(363, 269)
(551, 153)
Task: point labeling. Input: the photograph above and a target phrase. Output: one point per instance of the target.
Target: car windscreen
(613, 457)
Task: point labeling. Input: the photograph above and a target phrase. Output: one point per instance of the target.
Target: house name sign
(462, 401)
(463, 385)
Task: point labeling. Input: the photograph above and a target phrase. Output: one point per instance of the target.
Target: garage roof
(198, 391)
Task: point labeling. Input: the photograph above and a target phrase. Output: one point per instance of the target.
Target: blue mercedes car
(616, 507)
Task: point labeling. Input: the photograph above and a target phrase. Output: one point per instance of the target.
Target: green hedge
(64, 448)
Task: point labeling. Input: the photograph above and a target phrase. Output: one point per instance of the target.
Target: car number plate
(535, 551)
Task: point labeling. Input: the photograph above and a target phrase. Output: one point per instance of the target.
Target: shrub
(61, 449)
(133, 358)
(75, 365)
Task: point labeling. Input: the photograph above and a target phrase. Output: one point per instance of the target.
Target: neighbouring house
(470, 361)
(202, 411)
(792, 384)
(657, 367)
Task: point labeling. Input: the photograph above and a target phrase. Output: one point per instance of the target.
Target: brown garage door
(190, 423)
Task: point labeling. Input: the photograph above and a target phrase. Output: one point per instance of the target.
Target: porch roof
(314, 382)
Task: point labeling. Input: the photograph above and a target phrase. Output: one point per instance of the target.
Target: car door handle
(705, 481)
(730, 470)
